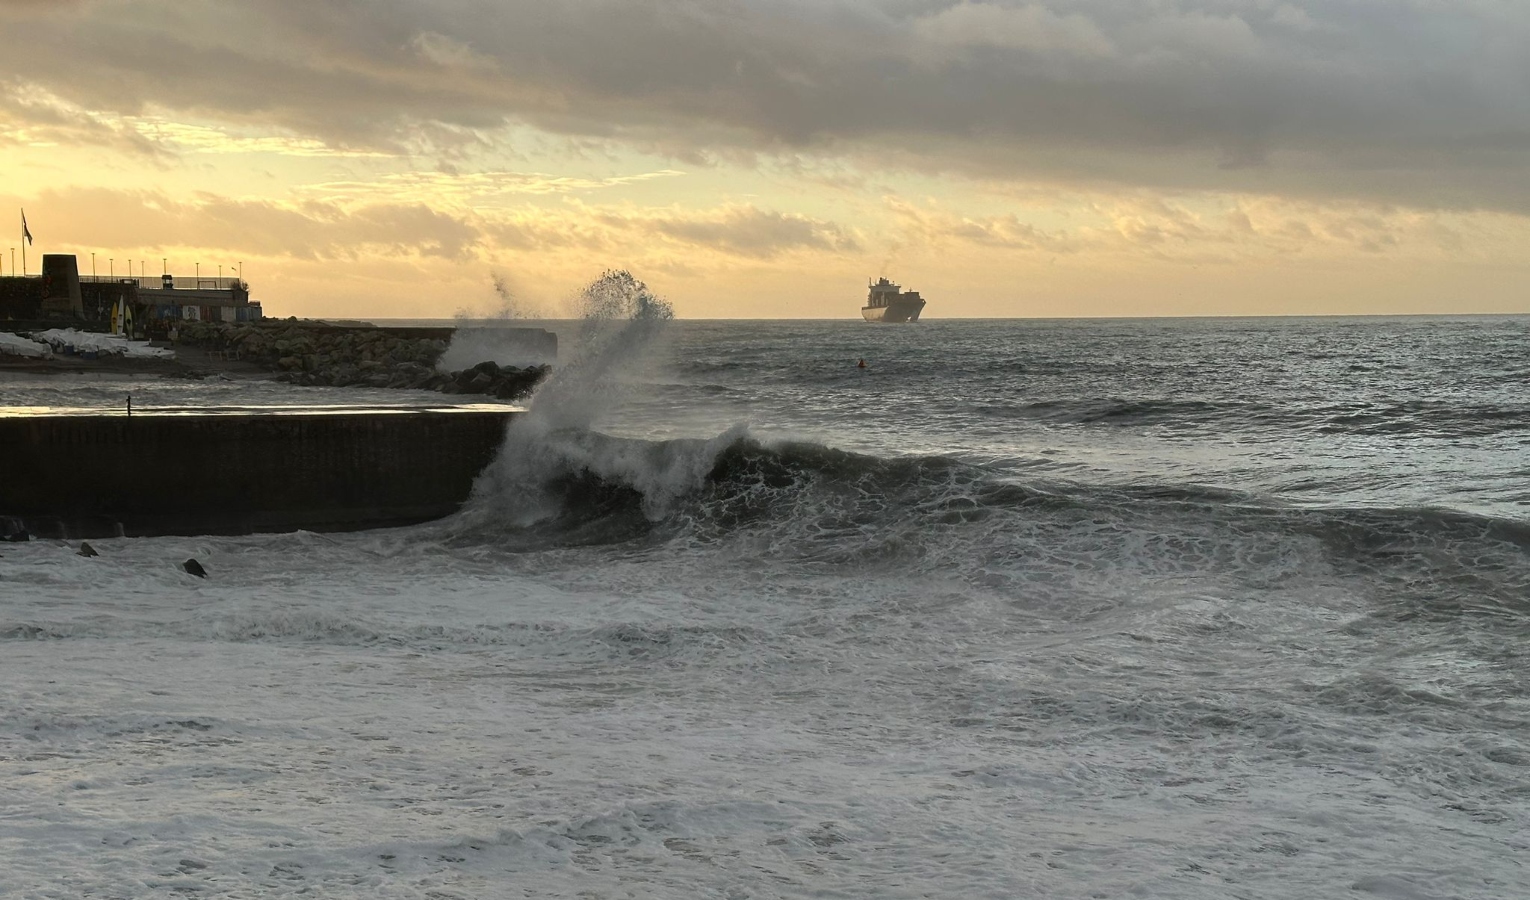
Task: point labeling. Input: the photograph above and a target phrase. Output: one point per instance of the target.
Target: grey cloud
(1417, 102)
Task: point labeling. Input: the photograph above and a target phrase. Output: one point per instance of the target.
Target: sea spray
(502, 335)
(552, 449)
(509, 304)
(620, 321)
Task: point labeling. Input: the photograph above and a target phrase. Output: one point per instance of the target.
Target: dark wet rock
(310, 354)
(192, 567)
(86, 550)
(16, 537)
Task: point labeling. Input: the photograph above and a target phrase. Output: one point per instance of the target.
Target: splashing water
(553, 445)
(485, 336)
(622, 319)
(508, 305)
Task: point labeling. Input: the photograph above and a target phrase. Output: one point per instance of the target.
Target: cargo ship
(885, 303)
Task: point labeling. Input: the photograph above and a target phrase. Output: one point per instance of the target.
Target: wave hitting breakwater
(1064, 610)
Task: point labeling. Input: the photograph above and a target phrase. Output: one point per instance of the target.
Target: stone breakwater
(344, 356)
(83, 476)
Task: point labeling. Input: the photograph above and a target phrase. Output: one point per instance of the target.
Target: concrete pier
(240, 473)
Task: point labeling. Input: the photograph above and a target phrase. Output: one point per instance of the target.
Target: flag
(25, 232)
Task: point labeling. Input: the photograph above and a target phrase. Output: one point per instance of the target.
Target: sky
(744, 158)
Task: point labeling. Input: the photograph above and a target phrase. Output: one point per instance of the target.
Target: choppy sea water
(1231, 608)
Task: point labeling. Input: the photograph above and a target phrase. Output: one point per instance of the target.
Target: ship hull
(894, 313)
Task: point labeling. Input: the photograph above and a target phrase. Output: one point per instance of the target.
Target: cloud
(33, 116)
(450, 54)
(469, 188)
(931, 226)
(1419, 103)
(205, 139)
(1203, 228)
(1030, 29)
(624, 232)
(149, 221)
(747, 231)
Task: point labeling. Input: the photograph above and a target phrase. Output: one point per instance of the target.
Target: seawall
(240, 473)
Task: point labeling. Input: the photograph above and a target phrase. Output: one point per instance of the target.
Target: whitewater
(1073, 609)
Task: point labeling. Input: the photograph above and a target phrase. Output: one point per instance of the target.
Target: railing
(157, 282)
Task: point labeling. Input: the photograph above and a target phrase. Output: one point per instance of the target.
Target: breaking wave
(813, 504)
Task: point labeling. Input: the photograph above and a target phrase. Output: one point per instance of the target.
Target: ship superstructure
(886, 303)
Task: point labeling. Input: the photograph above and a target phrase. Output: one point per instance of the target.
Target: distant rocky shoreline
(319, 355)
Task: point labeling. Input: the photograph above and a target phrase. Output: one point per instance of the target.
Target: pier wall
(108, 475)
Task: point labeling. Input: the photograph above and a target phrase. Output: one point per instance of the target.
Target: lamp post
(92, 267)
(111, 268)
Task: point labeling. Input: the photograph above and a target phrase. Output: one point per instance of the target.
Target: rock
(311, 354)
(86, 550)
(16, 537)
(192, 567)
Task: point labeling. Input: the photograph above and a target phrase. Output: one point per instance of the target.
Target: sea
(1180, 608)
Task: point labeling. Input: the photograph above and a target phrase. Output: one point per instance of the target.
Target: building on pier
(61, 296)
